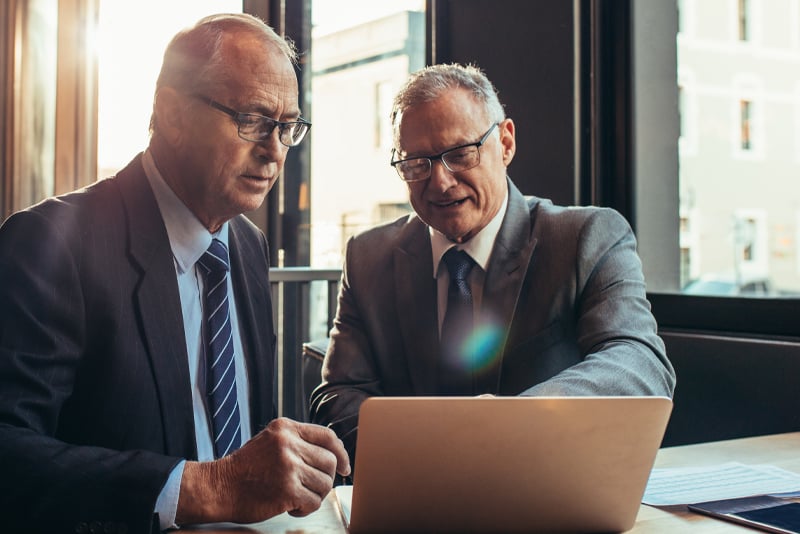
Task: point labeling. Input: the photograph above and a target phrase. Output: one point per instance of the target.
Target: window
(361, 53)
(748, 130)
(743, 26)
(745, 121)
(750, 244)
(127, 74)
(738, 205)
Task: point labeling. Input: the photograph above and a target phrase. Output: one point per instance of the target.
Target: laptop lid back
(504, 464)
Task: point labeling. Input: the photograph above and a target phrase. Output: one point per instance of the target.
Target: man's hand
(287, 467)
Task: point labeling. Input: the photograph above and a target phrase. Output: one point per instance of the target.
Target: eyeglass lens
(258, 128)
(456, 160)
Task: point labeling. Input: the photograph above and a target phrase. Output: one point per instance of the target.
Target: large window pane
(361, 53)
(739, 94)
(132, 39)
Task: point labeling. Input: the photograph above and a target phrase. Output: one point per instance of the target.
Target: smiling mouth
(449, 204)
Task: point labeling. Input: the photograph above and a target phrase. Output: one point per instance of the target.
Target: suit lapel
(158, 307)
(249, 270)
(511, 256)
(415, 294)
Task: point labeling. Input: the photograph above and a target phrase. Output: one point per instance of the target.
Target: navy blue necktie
(223, 404)
(455, 376)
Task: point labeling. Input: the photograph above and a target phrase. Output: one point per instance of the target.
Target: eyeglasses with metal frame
(456, 159)
(255, 128)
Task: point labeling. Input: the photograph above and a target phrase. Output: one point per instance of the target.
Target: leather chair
(311, 370)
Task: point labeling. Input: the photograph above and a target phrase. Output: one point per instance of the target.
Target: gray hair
(193, 60)
(429, 83)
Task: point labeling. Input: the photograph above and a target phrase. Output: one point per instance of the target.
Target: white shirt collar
(188, 238)
(479, 247)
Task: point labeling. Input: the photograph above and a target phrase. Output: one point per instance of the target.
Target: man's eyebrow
(261, 109)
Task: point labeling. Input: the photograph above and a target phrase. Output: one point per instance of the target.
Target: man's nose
(441, 178)
(270, 148)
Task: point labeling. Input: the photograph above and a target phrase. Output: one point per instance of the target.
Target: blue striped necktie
(222, 396)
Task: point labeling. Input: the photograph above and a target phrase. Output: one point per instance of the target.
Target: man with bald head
(136, 329)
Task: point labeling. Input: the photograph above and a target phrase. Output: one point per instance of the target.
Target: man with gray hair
(483, 291)
(137, 346)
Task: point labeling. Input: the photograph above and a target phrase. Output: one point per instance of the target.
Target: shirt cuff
(167, 502)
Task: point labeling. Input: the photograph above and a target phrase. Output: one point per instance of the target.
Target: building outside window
(361, 53)
(738, 179)
(743, 26)
(745, 120)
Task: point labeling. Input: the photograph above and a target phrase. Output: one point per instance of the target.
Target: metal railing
(303, 305)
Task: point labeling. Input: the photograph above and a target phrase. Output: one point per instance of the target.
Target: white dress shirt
(189, 240)
(479, 247)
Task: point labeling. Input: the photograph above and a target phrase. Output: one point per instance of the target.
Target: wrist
(204, 495)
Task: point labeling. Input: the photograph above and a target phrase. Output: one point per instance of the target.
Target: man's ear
(507, 141)
(170, 115)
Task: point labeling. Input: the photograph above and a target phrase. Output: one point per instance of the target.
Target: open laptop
(505, 464)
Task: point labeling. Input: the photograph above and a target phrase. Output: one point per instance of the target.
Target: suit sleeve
(348, 374)
(49, 485)
(616, 333)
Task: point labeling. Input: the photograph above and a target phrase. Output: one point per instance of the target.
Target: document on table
(344, 496)
(687, 485)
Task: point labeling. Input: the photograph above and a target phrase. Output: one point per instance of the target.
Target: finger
(308, 503)
(326, 438)
(319, 459)
(317, 481)
(316, 434)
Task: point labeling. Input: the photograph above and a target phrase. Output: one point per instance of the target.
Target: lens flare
(482, 348)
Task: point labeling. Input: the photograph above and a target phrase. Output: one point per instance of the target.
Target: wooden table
(782, 450)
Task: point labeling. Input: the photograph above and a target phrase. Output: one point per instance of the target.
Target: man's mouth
(449, 203)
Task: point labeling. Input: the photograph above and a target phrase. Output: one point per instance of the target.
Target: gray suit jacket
(95, 396)
(564, 290)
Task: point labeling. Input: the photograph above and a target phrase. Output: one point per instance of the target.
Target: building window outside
(749, 99)
(743, 20)
(738, 184)
(361, 53)
(745, 122)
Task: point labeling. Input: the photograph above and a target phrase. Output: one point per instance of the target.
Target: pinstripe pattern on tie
(223, 404)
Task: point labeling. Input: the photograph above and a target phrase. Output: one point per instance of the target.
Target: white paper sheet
(344, 495)
(686, 485)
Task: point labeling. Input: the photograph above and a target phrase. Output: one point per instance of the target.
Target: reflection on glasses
(456, 159)
(256, 128)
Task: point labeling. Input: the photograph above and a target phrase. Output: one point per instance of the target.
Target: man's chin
(457, 235)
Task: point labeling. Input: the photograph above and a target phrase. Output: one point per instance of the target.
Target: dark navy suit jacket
(95, 398)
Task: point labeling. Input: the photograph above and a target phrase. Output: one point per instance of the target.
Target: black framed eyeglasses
(456, 159)
(256, 128)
